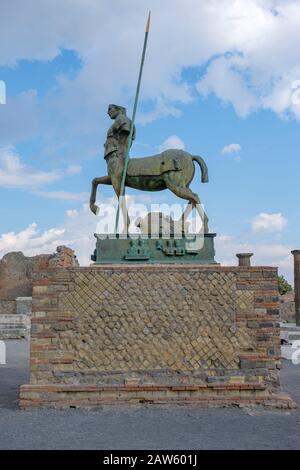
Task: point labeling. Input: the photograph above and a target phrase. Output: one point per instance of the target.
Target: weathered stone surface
(8, 307)
(151, 321)
(16, 274)
(18, 271)
(160, 326)
(287, 307)
(24, 305)
(14, 326)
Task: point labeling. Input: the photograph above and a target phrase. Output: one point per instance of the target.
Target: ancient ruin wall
(17, 272)
(154, 332)
(287, 307)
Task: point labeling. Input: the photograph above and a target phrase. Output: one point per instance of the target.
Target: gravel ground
(143, 426)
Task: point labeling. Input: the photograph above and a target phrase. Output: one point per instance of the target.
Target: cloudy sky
(221, 80)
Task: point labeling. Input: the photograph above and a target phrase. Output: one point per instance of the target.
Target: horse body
(152, 173)
(173, 169)
(145, 183)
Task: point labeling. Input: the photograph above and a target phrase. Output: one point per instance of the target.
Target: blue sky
(223, 84)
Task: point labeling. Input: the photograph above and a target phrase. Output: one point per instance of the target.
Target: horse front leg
(121, 207)
(96, 181)
(126, 219)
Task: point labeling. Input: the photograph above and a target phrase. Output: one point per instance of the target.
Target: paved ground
(144, 426)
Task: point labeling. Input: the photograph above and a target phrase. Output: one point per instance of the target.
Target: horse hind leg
(194, 201)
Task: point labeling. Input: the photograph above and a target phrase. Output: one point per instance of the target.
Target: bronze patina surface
(198, 249)
(173, 169)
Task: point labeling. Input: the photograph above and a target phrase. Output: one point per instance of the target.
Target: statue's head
(114, 110)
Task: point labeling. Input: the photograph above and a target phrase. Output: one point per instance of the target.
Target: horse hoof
(94, 209)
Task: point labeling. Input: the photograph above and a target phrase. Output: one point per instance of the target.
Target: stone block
(24, 305)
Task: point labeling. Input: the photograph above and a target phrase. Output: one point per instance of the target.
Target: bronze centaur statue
(171, 169)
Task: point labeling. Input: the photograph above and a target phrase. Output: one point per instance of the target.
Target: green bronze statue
(172, 169)
(167, 241)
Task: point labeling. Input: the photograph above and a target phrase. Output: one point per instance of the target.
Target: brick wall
(157, 333)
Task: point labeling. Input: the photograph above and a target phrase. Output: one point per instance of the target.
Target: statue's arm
(122, 124)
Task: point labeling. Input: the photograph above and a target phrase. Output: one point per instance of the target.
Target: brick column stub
(244, 259)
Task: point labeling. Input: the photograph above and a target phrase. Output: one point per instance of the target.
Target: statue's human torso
(117, 136)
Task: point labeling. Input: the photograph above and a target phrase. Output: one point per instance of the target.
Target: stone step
(13, 326)
(20, 328)
(18, 335)
(12, 322)
(12, 318)
(289, 327)
(16, 326)
(294, 336)
(294, 329)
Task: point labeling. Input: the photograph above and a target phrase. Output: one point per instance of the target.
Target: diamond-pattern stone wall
(133, 321)
(155, 324)
(155, 333)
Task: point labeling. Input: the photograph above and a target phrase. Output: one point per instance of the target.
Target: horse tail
(204, 170)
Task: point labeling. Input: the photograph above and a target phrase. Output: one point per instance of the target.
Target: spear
(129, 141)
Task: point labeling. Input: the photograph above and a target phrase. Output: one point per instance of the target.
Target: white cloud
(71, 213)
(249, 46)
(172, 142)
(268, 223)
(13, 173)
(228, 85)
(30, 241)
(64, 195)
(77, 231)
(265, 254)
(260, 70)
(79, 226)
(73, 170)
(267, 251)
(231, 148)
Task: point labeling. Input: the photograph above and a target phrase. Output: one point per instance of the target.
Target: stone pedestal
(244, 259)
(197, 249)
(155, 333)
